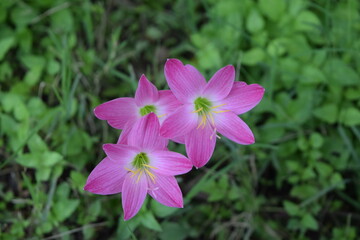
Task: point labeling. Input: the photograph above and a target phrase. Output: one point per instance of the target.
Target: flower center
(205, 109)
(202, 105)
(140, 160)
(147, 109)
(141, 166)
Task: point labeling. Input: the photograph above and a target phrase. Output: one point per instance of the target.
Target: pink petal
(166, 191)
(185, 81)
(179, 139)
(220, 84)
(200, 144)
(133, 194)
(125, 133)
(166, 104)
(180, 122)
(243, 97)
(106, 178)
(121, 154)
(146, 93)
(232, 127)
(117, 112)
(146, 134)
(169, 163)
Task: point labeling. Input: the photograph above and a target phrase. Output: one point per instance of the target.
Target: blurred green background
(300, 180)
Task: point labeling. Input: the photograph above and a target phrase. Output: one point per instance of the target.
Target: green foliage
(59, 59)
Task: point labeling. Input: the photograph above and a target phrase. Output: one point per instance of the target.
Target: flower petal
(179, 139)
(169, 163)
(166, 104)
(243, 97)
(125, 133)
(133, 194)
(146, 134)
(146, 93)
(220, 84)
(117, 112)
(106, 178)
(200, 144)
(121, 154)
(184, 81)
(232, 127)
(166, 191)
(182, 121)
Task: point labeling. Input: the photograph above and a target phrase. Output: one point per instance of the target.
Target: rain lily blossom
(122, 113)
(142, 167)
(208, 108)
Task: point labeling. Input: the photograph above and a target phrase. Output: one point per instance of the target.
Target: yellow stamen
(197, 110)
(130, 170)
(212, 119)
(214, 133)
(218, 106)
(221, 111)
(152, 176)
(160, 116)
(136, 172)
(203, 122)
(204, 118)
(138, 179)
(149, 166)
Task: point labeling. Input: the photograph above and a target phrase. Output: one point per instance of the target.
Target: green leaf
(49, 159)
(62, 21)
(149, 221)
(64, 208)
(5, 71)
(309, 222)
(307, 21)
(303, 191)
(273, 9)
(352, 93)
(39, 159)
(328, 113)
(161, 210)
(5, 45)
(291, 208)
(35, 64)
(316, 140)
(323, 169)
(78, 180)
(254, 22)
(36, 144)
(253, 56)
(312, 75)
(340, 73)
(337, 179)
(277, 47)
(53, 67)
(23, 14)
(350, 116)
(308, 173)
(29, 160)
(43, 174)
(173, 231)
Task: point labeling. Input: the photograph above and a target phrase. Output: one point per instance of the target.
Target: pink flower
(122, 113)
(208, 107)
(143, 166)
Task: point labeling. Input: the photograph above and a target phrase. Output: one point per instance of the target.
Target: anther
(200, 109)
(221, 111)
(218, 106)
(139, 176)
(149, 166)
